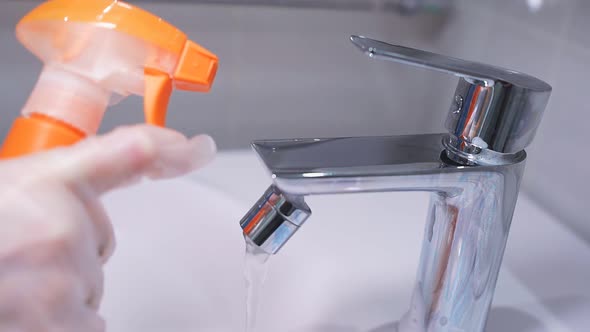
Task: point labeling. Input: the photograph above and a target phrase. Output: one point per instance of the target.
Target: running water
(255, 271)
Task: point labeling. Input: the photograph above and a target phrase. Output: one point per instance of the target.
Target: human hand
(54, 232)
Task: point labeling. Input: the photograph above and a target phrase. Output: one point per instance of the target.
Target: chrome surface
(473, 173)
(469, 216)
(274, 219)
(499, 107)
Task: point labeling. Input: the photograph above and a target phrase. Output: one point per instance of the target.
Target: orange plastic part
(196, 68)
(37, 133)
(158, 87)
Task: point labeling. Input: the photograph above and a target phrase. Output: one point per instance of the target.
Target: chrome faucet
(473, 173)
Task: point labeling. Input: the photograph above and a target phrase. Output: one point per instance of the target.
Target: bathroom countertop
(179, 263)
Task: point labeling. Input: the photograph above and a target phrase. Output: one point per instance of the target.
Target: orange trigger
(158, 88)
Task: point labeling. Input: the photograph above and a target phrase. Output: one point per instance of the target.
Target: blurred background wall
(288, 70)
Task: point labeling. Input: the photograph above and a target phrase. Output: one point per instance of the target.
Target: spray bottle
(94, 52)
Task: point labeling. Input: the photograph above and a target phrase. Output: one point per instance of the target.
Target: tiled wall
(288, 72)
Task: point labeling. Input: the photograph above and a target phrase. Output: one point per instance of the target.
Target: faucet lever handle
(493, 108)
(478, 73)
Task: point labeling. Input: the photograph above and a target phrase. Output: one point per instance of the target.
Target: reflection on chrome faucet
(473, 173)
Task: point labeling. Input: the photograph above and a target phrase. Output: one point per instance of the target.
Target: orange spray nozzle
(92, 50)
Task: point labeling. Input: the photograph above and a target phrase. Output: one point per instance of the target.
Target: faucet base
(469, 154)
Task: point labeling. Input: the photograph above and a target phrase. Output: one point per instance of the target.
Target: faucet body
(473, 173)
(469, 216)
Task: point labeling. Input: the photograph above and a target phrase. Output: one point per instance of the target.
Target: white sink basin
(179, 262)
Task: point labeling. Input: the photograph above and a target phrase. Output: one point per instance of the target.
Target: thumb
(106, 162)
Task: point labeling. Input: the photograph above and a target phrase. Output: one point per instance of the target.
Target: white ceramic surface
(179, 262)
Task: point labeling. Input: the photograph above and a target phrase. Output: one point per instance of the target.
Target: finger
(84, 320)
(62, 303)
(102, 231)
(104, 163)
(66, 270)
(173, 162)
(88, 266)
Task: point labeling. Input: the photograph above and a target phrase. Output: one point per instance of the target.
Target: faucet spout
(272, 221)
(371, 164)
(467, 228)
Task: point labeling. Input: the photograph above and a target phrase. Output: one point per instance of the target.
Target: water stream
(255, 271)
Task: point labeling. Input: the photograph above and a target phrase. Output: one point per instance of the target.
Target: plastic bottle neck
(69, 98)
